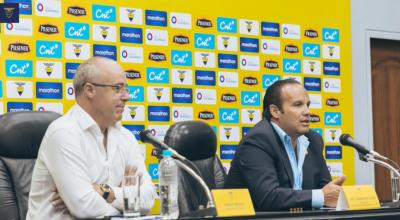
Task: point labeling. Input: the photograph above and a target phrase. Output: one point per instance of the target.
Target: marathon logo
(108, 51)
(251, 81)
(228, 61)
(270, 64)
(70, 70)
(46, 90)
(19, 48)
(204, 23)
(156, 18)
(135, 130)
(333, 152)
(205, 78)
(182, 95)
(249, 45)
(157, 57)
(229, 98)
(312, 84)
(76, 11)
(291, 48)
(131, 35)
(180, 39)
(158, 113)
(314, 118)
(310, 33)
(332, 68)
(132, 74)
(332, 102)
(270, 29)
(227, 151)
(48, 29)
(25, 6)
(206, 115)
(19, 106)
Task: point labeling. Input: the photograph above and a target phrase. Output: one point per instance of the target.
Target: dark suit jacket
(262, 165)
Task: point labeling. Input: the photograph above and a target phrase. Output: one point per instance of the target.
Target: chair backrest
(196, 141)
(20, 136)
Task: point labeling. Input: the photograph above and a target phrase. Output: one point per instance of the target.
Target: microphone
(346, 139)
(147, 137)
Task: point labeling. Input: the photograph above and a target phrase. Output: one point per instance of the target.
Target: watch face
(105, 188)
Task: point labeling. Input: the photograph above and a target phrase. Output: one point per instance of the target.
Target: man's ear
(89, 90)
(274, 110)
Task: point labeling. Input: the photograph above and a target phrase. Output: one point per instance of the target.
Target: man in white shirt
(85, 154)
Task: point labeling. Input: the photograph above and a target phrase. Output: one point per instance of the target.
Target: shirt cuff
(317, 200)
(118, 202)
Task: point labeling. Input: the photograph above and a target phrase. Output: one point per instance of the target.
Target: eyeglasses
(118, 88)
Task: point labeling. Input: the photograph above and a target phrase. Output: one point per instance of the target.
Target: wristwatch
(106, 189)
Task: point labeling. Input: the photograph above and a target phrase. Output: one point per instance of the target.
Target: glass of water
(131, 195)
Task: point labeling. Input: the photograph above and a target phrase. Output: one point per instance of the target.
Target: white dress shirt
(72, 157)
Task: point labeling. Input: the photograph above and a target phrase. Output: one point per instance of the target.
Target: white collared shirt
(72, 157)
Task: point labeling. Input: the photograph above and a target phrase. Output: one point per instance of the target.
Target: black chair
(196, 141)
(20, 136)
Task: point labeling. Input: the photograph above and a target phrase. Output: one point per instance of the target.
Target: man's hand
(56, 201)
(331, 191)
(133, 171)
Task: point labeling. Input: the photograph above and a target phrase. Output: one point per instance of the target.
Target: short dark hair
(273, 96)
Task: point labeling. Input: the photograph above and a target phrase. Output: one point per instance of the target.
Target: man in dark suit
(280, 159)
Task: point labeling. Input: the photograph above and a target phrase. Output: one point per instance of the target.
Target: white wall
(369, 18)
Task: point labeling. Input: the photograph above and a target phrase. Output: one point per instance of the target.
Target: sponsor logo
(103, 13)
(22, 28)
(136, 93)
(157, 57)
(9, 12)
(229, 133)
(50, 49)
(270, 29)
(332, 68)
(19, 106)
(271, 64)
(312, 67)
(228, 97)
(314, 118)
(180, 20)
(250, 27)
(333, 152)
(268, 80)
(130, 15)
(133, 74)
(182, 76)
(25, 6)
(311, 50)
(206, 96)
(251, 116)
(251, 81)
(46, 90)
(156, 37)
(228, 115)
(19, 68)
(157, 75)
(19, 48)
(104, 33)
(333, 118)
(153, 171)
(335, 169)
(291, 66)
(48, 29)
(48, 8)
(270, 47)
(311, 33)
(54, 107)
(181, 39)
(250, 98)
(204, 59)
(76, 11)
(70, 70)
(131, 54)
(131, 35)
(1, 92)
(158, 113)
(69, 91)
(249, 45)
(135, 130)
(48, 69)
(107, 51)
(182, 95)
(315, 101)
(333, 102)
(331, 85)
(133, 113)
(206, 115)
(203, 23)
(245, 130)
(181, 58)
(80, 51)
(312, 84)
(182, 114)
(158, 94)
(227, 43)
(227, 151)
(330, 35)
(204, 41)
(290, 48)
(156, 18)
(330, 51)
(228, 79)
(332, 135)
(249, 62)
(205, 78)
(291, 31)
(76, 30)
(227, 61)
(227, 25)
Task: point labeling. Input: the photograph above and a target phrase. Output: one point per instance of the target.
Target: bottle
(168, 174)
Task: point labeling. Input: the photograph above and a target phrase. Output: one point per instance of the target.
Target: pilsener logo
(135, 130)
(19, 68)
(330, 35)
(332, 68)
(333, 118)
(158, 113)
(181, 58)
(312, 84)
(131, 35)
(76, 30)
(103, 13)
(182, 95)
(250, 98)
(19, 106)
(291, 66)
(311, 50)
(46, 90)
(156, 18)
(333, 152)
(227, 25)
(205, 78)
(228, 115)
(204, 41)
(157, 75)
(249, 45)
(227, 151)
(49, 49)
(227, 61)
(270, 29)
(136, 93)
(108, 51)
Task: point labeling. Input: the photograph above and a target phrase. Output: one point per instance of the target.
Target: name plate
(233, 202)
(357, 198)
